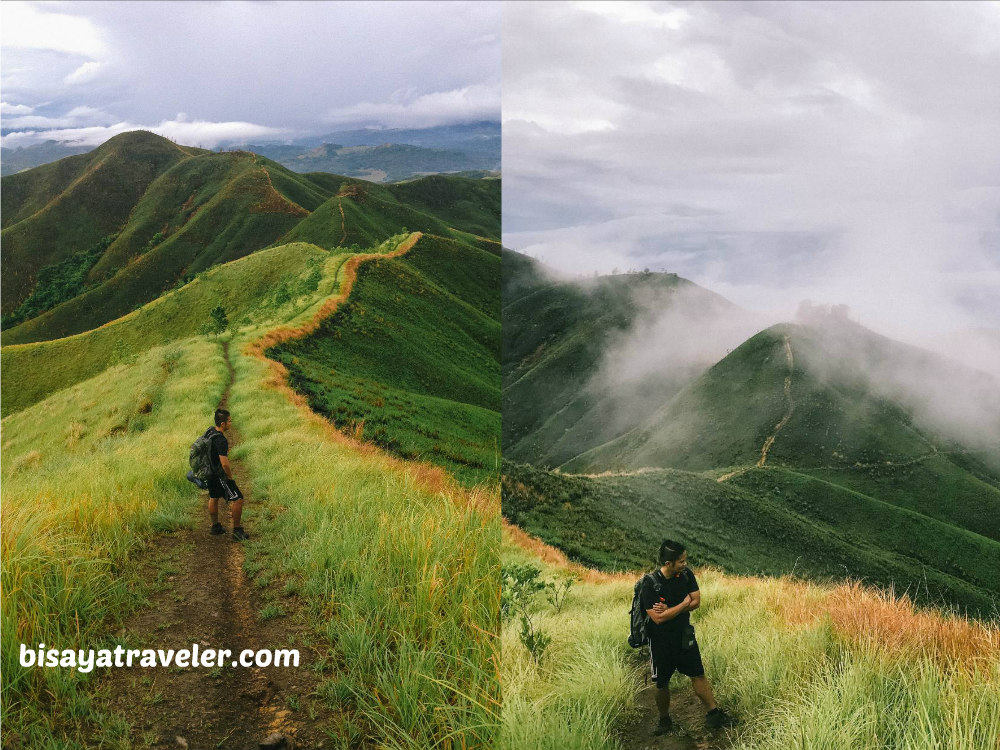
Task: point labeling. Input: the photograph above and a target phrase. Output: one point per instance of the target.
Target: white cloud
(32, 26)
(196, 133)
(408, 108)
(15, 109)
(769, 151)
(84, 74)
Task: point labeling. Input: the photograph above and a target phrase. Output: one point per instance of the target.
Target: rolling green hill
(432, 393)
(764, 522)
(556, 334)
(54, 210)
(247, 289)
(190, 210)
(820, 447)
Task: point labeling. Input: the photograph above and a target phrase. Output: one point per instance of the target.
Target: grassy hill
(819, 447)
(55, 210)
(801, 665)
(249, 290)
(433, 391)
(556, 334)
(94, 471)
(765, 522)
(196, 210)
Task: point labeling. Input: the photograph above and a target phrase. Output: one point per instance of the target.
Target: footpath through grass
(801, 665)
(397, 565)
(88, 476)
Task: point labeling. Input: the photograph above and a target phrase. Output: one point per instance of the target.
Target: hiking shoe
(717, 719)
(239, 534)
(664, 725)
(217, 528)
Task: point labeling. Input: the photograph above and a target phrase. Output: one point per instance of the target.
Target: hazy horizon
(205, 73)
(843, 153)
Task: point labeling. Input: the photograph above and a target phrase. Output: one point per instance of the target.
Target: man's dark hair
(221, 417)
(670, 551)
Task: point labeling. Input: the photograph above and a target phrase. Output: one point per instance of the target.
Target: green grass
(245, 288)
(432, 393)
(402, 582)
(397, 568)
(88, 475)
(794, 675)
(764, 522)
(57, 209)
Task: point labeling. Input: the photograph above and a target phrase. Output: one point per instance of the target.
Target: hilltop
(557, 333)
(817, 446)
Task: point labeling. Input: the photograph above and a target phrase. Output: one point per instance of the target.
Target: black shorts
(667, 656)
(224, 488)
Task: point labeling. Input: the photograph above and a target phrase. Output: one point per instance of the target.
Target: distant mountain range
(377, 155)
(816, 446)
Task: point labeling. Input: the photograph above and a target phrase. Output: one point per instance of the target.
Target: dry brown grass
(893, 625)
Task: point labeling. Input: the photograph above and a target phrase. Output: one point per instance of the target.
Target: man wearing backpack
(220, 482)
(667, 596)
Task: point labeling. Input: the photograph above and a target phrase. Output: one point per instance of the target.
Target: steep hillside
(819, 447)
(557, 334)
(765, 522)
(433, 391)
(57, 209)
(272, 283)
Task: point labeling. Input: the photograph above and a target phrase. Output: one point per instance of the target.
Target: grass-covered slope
(203, 209)
(87, 476)
(800, 665)
(556, 333)
(94, 470)
(764, 522)
(57, 209)
(247, 289)
(232, 210)
(412, 361)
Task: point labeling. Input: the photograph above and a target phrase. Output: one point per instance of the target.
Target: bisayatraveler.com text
(86, 660)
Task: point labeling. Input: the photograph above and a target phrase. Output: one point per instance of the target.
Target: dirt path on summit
(201, 595)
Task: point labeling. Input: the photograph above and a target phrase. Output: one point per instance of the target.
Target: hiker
(667, 596)
(221, 483)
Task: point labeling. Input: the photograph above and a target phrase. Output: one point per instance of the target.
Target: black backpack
(637, 637)
(200, 459)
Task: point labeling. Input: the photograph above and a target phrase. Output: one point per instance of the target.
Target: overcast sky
(772, 152)
(207, 72)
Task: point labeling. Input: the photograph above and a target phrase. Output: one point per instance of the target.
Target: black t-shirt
(671, 591)
(220, 447)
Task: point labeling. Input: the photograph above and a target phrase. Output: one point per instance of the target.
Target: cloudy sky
(209, 72)
(773, 152)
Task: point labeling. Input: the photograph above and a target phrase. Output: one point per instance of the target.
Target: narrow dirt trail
(689, 733)
(790, 406)
(202, 597)
(343, 223)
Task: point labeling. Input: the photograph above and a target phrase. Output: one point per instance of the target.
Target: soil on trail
(201, 595)
(689, 732)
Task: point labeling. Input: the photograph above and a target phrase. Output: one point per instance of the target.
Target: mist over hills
(844, 452)
(91, 237)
